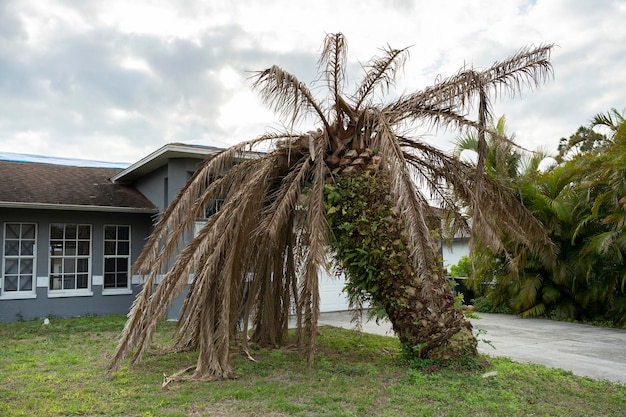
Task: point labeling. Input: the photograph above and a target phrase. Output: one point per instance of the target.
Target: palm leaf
(380, 71)
(288, 96)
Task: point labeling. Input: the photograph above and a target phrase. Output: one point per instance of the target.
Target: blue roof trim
(23, 157)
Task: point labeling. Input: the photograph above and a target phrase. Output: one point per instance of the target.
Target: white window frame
(53, 276)
(213, 206)
(18, 294)
(117, 290)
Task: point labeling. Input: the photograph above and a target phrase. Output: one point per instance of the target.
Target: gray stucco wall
(95, 304)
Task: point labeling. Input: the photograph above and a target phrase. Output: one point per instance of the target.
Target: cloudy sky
(116, 79)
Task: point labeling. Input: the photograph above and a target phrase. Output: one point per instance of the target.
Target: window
(70, 255)
(213, 207)
(116, 257)
(18, 260)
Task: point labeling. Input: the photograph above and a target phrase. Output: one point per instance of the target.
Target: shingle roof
(27, 183)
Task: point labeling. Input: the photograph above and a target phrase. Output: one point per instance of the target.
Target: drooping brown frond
(285, 198)
(500, 210)
(216, 238)
(317, 246)
(529, 67)
(288, 96)
(408, 198)
(180, 215)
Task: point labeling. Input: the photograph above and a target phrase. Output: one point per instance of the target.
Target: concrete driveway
(596, 352)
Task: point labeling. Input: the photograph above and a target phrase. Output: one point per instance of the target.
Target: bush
(463, 268)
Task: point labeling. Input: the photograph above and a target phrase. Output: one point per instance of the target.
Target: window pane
(56, 231)
(55, 282)
(28, 231)
(70, 248)
(12, 231)
(109, 232)
(70, 231)
(109, 280)
(26, 267)
(123, 248)
(10, 283)
(122, 265)
(56, 266)
(82, 265)
(56, 248)
(109, 248)
(82, 281)
(11, 247)
(83, 248)
(26, 283)
(109, 265)
(122, 280)
(10, 266)
(69, 282)
(123, 233)
(69, 265)
(27, 248)
(84, 232)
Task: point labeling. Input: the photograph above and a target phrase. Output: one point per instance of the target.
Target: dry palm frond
(409, 199)
(288, 96)
(529, 67)
(333, 60)
(500, 210)
(381, 71)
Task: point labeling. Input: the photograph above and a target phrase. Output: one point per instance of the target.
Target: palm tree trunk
(372, 248)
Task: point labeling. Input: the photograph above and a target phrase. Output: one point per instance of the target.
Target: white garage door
(331, 296)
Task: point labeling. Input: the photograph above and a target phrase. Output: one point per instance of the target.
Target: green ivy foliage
(367, 241)
(369, 245)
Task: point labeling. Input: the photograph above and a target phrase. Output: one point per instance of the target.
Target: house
(70, 234)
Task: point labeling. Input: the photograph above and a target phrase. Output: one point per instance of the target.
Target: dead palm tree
(259, 256)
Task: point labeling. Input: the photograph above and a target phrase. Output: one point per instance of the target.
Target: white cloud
(143, 73)
(137, 64)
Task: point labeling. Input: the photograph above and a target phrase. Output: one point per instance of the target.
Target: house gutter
(77, 207)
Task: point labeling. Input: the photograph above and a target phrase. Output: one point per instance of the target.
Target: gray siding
(152, 187)
(43, 305)
(162, 185)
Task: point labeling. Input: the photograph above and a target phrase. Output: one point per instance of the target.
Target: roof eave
(77, 207)
(175, 150)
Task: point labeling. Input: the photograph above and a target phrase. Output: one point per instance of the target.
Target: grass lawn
(59, 370)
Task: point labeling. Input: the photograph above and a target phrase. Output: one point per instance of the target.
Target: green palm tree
(588, 140)
(502, 154)
(286, 209)
(581, 205)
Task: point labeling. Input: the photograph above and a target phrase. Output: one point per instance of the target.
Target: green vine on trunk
(370, 245)
(367, 241)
